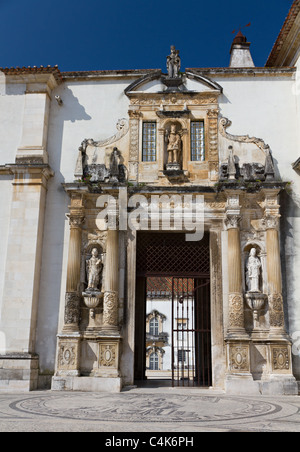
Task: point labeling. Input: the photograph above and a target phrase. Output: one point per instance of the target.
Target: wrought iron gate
(191, 332)
(172, 267)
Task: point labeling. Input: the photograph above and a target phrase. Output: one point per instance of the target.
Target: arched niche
(261, 254)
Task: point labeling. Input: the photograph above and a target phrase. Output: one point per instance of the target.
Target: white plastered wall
(89, 110)
(269, 108)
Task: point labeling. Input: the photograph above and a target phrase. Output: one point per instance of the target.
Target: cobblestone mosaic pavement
(148, 410)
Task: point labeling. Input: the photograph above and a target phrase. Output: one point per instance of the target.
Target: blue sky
(134, 34)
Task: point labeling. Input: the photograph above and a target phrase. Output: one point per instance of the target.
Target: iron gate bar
(194, 342)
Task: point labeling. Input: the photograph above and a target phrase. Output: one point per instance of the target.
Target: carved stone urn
(255, 301)
(91, 300)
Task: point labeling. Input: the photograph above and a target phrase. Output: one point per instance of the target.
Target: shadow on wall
(55, 249)
(290, 212)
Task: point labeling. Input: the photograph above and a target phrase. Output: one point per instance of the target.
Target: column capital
(270, 221)
(232, 221)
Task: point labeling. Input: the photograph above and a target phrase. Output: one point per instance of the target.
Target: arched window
(153, 326)
(153, 362)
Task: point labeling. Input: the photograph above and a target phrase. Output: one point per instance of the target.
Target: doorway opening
(173, 327)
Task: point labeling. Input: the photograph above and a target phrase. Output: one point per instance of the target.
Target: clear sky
(89, 35)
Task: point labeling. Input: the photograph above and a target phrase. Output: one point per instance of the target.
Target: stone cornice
(50, 76)
(245, 72)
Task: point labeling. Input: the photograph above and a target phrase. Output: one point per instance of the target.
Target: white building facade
(79, 148)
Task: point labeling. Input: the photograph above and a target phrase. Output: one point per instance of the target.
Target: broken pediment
(243, 157)
(188, 82)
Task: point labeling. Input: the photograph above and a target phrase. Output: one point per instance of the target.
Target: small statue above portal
(173, 138)
(253, 271)
(94, 268)
(173, 63)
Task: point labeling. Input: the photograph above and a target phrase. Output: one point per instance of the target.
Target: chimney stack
(240, 52)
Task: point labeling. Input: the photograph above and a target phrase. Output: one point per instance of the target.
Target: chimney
(240, 52)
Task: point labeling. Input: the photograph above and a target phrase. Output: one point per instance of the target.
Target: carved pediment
(158, 83)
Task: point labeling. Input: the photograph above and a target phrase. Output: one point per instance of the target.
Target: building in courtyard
(150, 224)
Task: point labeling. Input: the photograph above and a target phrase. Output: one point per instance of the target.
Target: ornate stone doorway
(172, 321)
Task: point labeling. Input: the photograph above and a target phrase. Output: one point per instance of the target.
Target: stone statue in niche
(94, 268)
(173, 138)
(253, 271)
(173, 63)
(114, 162)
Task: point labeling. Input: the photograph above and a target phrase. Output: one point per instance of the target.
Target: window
(180, 333)
(149, 142)
(182, 355)
(153, 364)
(153, 326)
(197, 141)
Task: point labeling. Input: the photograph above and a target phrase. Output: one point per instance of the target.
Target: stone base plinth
(87, 384)
(241, 384)
(19, 372)
(276, 385)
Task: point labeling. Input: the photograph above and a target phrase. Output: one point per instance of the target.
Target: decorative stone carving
(224, 123)
(236, 311)
(94, 270)
(252, 170)
(114, 173)
(239, 358)
(255, 302)
(110, 309)
(72, 302)
(276, 310)
(174, 147)
(270, 222)
(173, 63)
(253, 271)
(231, 165)
(280, 358)
(108, 355)
(68, 357)
(232, 221)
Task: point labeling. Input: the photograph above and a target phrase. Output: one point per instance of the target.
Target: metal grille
(197, 141)
(149, 141)
(170, 254)
(191, 332)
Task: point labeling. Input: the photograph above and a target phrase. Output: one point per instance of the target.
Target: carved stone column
(238, 376)
(278, 355)
(68, 355)
(72, 300)
(111, 294)
(271, 223)
(236, 302)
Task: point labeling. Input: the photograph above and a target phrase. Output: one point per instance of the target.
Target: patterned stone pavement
(147, 410)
